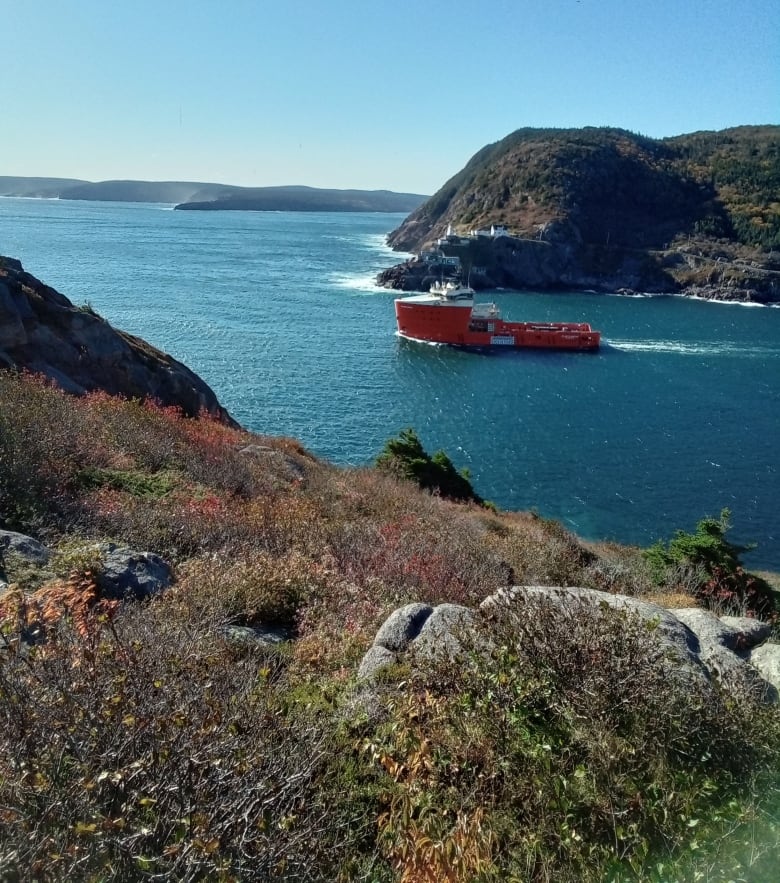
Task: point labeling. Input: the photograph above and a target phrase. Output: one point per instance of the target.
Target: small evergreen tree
(405, 456)
(722, 581)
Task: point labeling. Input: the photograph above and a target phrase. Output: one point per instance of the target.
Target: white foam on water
(633, 294)
(715, 300)
(699, 348)
(417, 340)
(361, 283)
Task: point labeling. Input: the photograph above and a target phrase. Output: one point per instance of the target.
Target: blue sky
(361, 93)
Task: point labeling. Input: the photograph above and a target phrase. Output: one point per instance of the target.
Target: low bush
(250, 590)
(711, 566)
(570, 750)
(405, 456)
(154, 750)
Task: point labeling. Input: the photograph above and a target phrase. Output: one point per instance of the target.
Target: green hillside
(615, 187)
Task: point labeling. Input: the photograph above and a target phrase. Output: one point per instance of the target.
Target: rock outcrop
(540, 265)
(120, 573)
(127, 574)
(727, 650)
(25, 548)
(41, 331)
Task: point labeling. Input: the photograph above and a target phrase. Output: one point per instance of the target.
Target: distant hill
(112, 191)
(41, 188)
(144, 191)
(204, 196)
(616, 209)
(309, 199)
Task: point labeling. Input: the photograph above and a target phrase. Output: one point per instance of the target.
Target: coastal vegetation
(164, 740)
(712, 568)
(405, 456)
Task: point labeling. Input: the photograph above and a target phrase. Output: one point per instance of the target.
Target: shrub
(708, 561)
(563, 748)
(252, 590)
(157, 751)
(406, 456)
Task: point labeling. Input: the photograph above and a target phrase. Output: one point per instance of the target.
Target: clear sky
(361, 93)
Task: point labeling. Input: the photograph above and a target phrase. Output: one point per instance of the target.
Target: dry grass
(139, 742)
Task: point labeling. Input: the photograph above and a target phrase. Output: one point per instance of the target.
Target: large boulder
(766, 660)
(445, 631)
(376, 659)
(746, 631)
(126, 574)
(23, 547)
(733, 632)
(724, 647)
(695, 646)
(393, 638)
(402, 627)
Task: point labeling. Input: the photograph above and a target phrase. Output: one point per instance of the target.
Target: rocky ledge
(729, 653)
(559, 260)
(41, 331)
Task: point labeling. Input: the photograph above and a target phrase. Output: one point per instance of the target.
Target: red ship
(448, 314)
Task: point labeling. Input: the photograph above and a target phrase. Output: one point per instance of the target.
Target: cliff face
(606, 209)
(43, 332)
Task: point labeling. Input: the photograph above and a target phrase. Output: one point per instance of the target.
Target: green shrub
(133, 481)
(568, 750)
(406, 456)
(712, 567)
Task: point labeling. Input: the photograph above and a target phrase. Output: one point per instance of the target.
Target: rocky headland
(42, 332)
(606, 210)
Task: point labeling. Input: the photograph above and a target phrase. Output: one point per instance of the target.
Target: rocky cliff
(43, 332)
(605, 209)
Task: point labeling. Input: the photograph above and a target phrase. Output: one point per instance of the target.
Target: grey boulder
(125, 573)
(24, 547)
(402, 626)
(766, 660)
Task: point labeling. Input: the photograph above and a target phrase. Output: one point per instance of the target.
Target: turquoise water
(676, 417)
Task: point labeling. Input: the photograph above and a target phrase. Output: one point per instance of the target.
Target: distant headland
(199, 196)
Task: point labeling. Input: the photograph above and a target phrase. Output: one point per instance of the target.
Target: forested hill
(609, 186)
(307, 199)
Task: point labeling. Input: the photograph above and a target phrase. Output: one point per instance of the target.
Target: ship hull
(434, 321)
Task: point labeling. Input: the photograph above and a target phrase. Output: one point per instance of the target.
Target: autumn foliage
(142, 741)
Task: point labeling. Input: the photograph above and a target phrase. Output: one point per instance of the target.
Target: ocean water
(676, 417)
